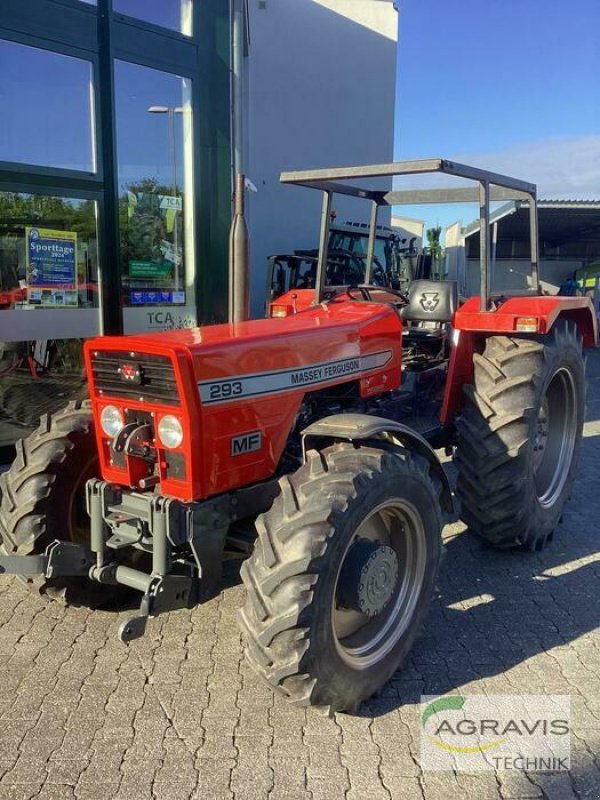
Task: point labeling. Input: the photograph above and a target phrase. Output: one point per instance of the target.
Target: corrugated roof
(569, 203)
(558, 220)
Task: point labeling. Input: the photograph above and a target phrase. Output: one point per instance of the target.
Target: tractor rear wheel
(42, 496)
(342, 574)
(519, 435)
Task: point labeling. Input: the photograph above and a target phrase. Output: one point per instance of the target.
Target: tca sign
(169, 320)
(158, 318)
(169, 203)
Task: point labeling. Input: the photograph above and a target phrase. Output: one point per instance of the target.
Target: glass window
(154, 150)
(48, 302)
(381, 251)
(173, 14)
(47, 108)
(48, 252)
(359, 244)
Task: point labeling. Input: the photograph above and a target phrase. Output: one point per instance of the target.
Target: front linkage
(158, 526)
(183, 544)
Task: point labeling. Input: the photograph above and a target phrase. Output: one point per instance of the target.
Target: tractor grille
(153, 377)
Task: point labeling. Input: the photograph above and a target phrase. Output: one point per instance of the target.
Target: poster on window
(51, 267)
(153, 249)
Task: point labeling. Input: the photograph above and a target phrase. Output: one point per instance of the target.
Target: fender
(544, 309)
(472, 327)
(364, 427)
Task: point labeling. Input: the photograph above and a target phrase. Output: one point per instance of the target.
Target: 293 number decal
(223, 391)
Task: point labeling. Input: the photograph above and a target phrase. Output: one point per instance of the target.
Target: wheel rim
(363, 640)
(555, 437)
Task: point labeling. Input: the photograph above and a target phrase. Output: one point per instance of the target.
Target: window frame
(102, 36)
(153, 27)
(92, 178)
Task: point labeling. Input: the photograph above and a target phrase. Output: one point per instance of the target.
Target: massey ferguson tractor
(303, 444)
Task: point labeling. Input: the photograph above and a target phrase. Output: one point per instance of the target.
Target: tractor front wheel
(342, 574)
(519, 435)
(42, 496)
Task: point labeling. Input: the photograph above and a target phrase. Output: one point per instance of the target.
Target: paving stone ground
(179, 715)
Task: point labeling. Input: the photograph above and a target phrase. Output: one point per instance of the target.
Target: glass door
(156, 202)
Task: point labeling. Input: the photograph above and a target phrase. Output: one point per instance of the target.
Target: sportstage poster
(51, 267)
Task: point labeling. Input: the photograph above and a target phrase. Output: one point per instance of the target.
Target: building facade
(321, 87)
(123, 124)
(115, 174)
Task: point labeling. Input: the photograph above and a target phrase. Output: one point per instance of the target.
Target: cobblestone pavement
(180, 715)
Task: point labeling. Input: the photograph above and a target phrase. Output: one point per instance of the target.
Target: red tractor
(304, 444)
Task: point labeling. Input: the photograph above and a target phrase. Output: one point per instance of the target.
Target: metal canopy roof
(488, 186)
(502, 187)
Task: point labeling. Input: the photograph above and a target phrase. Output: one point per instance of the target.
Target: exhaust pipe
(239, 257)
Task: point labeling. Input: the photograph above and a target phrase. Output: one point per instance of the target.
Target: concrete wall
(409, 227)
(321, 90)
(454, 258)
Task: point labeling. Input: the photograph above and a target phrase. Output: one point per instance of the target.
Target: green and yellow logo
(441, 722)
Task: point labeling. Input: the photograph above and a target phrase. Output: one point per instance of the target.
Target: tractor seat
(430, 309)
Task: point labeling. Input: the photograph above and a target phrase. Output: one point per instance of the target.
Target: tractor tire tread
(493, 435)
(26, 486)
(280, 575)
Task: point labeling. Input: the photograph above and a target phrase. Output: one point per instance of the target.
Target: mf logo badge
(430, 301)
(131, 373)
(247, 443)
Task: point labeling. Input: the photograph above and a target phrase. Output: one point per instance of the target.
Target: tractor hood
(236, 388)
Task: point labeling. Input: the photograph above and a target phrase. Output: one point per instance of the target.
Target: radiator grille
(156, 383)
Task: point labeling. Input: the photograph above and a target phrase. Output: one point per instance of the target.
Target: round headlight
(170, 431)
(111, 420)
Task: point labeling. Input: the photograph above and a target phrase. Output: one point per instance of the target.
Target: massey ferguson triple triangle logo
(130, 373)
(430, 301)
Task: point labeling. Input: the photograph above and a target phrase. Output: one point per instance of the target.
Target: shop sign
(159, 318)
(149, 269)
(169, 203)
(51, 267)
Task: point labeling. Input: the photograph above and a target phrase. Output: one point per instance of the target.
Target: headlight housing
(170, 431)
(111, 420)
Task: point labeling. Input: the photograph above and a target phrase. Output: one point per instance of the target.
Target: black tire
(290, 620)
(518, 436)
(41, 495)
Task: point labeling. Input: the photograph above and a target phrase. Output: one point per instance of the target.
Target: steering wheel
(365, 292)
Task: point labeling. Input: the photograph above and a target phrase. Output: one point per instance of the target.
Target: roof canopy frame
(491, 187)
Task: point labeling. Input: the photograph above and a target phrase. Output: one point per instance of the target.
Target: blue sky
(511, 85)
